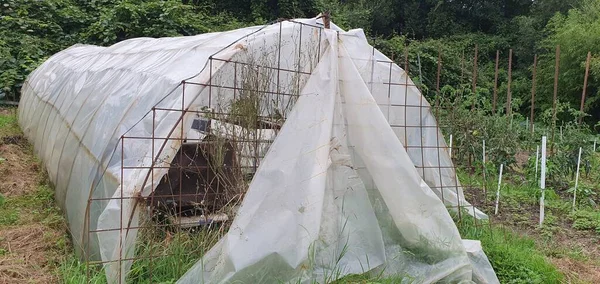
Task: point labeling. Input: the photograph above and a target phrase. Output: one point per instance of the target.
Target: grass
(177, 252)
(8, 123)
(585, 220)
(163, 257)
(516, 259)
(35, 207)
(73, 271)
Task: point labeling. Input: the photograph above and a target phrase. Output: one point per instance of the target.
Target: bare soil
(524, 220)
(6, 111)
(521, 159)
(18, 171)
(29, 249)
(577, 271)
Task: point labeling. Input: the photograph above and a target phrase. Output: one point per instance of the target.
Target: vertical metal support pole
(87, 246)
(152, 165)
(533, 82)
(421, 126)
(495, 83)
(420, 71)
(437, 132)
(372, 69)
(279, 64)
(121, 211)
(299, 68)
(389, 92)
(437, 85)
(235, 81)
(210, 63)
(585, 81)
(181, 169)
(405, 95)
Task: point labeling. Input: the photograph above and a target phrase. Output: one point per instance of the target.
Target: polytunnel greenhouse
(315, 152)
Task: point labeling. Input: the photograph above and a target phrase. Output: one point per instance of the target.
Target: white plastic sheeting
(310, 216)
(482, 268)
(77, 106)
(412, 119)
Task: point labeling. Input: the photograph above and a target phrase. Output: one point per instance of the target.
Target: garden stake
(498, 190)
(543, 180)
(576, 178)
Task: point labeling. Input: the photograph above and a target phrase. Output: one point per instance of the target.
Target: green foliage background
(33, 30)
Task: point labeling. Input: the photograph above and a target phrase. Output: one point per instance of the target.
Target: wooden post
(474, 79)
(327, 19)
(533, 94)
(508, 93)
(496, 83)
(556, 69)
(585, 80)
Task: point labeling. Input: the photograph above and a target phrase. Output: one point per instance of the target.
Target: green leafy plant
(585, 195)
(585, 220)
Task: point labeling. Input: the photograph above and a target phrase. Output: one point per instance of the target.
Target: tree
(577, 33)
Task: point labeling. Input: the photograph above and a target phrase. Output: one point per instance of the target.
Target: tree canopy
(33, 30)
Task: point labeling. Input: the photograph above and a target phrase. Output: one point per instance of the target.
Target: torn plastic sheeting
(482, 268)
(433, 161)
(287, 189)
(397, 227)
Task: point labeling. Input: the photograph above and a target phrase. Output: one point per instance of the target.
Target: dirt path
(32, 230)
